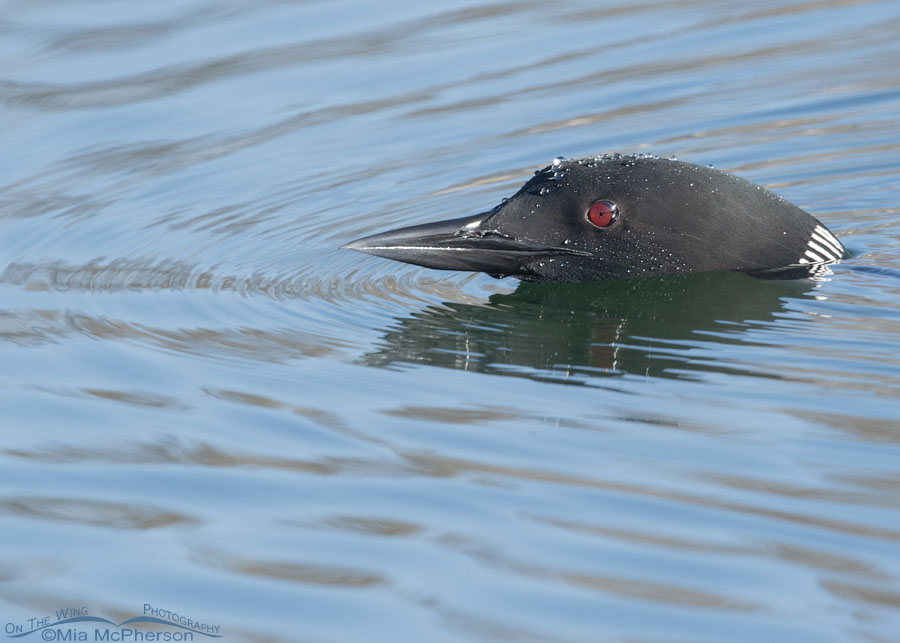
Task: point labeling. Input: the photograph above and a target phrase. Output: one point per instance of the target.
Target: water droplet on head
(545, 190)
(558, 160)
(673, 158)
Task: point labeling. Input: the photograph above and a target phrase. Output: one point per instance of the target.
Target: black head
(619, 216)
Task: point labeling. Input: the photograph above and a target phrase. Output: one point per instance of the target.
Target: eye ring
(602, 213)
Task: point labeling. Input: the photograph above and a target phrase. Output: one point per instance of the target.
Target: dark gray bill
(459, 244)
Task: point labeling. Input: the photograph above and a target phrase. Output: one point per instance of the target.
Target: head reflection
(576, 332)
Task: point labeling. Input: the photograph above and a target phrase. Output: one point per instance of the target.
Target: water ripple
(128, 275)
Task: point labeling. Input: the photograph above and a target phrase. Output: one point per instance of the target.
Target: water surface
(207, 407)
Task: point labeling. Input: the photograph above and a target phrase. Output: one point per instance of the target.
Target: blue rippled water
(208, 409)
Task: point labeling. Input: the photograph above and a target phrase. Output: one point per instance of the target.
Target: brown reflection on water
(876, 596)
(18, 203)
(825, 561)
(199, 453)
(257, 344)
(276, 346)
(431, 465)
(806, 556)
(772, 130)
(837, 154)
(138, 398)
(455, 415)
(372, 526)
(434, 465)
(795, 490)
(884, 430)
(882, 483)
(321, 417)
(392, 39)
(98, 513)
(77, 39)
(837, 380)
(325, 419)
(310, 573)
(659, 593)
(654, 592)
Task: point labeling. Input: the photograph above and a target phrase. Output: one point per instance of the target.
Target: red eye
(603, 213)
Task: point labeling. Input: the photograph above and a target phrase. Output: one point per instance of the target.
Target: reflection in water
(94, 512)
(34, 328)
(569, 332)
(182, 419)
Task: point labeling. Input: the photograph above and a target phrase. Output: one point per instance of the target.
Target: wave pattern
(203, 397)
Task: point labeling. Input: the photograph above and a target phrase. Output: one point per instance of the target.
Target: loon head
(612, 217)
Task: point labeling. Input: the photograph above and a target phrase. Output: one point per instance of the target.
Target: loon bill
(613, 216)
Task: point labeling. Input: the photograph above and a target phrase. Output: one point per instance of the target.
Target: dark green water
(208, 409)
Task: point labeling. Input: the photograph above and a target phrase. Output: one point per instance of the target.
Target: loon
(615, 216)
